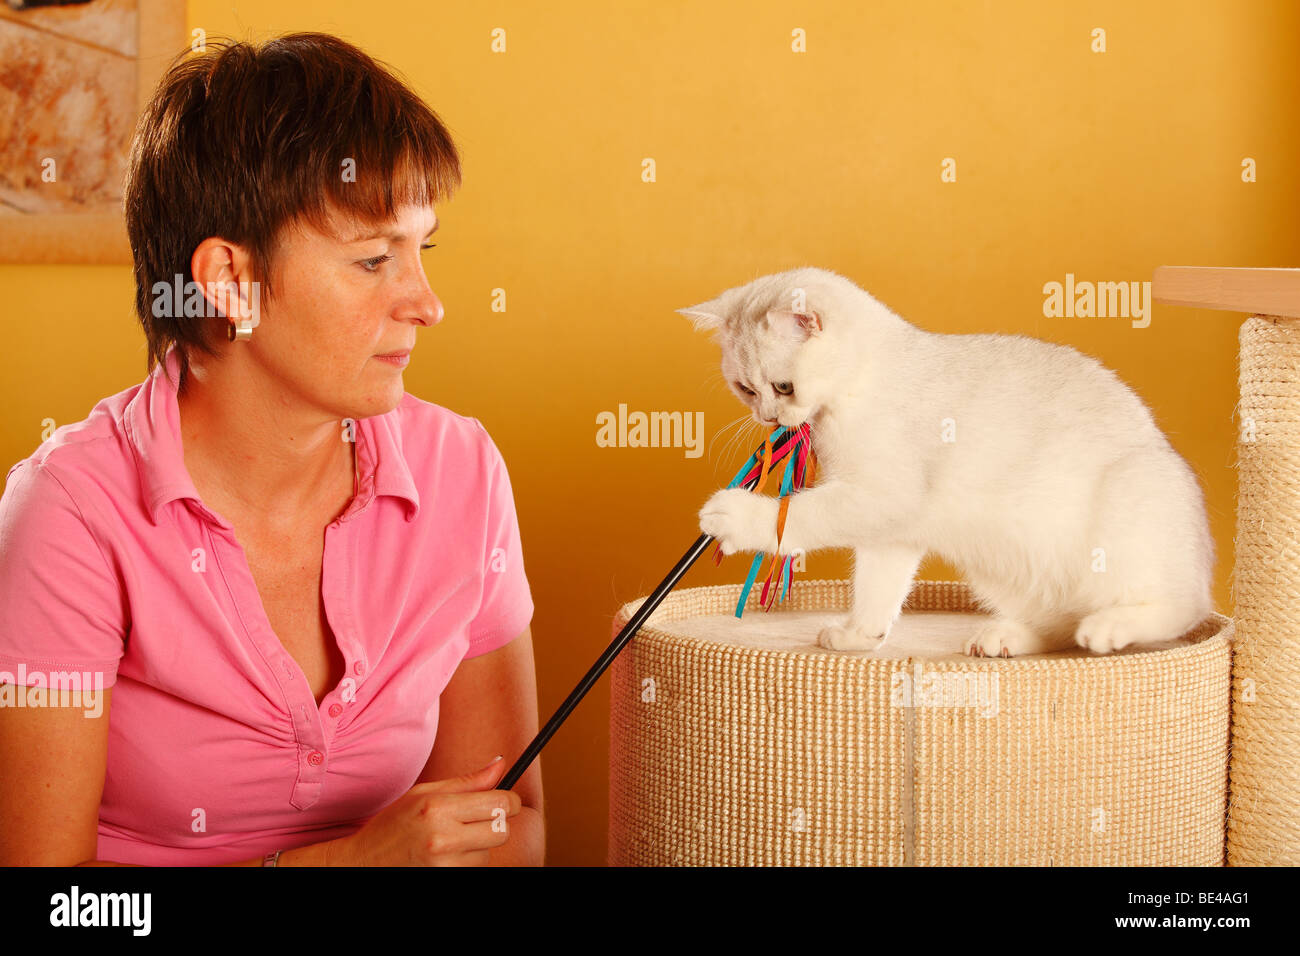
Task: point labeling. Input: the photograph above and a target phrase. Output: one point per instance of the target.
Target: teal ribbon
(787, 481)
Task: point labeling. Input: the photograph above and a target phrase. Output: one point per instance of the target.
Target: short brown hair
(240, 141)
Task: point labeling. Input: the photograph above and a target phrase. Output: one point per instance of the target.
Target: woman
(301, 588)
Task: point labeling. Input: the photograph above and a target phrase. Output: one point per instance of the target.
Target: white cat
(1028, 466)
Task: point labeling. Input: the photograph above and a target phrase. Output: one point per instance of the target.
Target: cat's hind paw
(1002, 637)
(848, 638)
(1114, 628)
(1106, 631)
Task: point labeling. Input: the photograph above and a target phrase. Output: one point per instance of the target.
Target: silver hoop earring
(242, 333)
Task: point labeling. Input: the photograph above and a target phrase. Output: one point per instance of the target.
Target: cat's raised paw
(740, 520)
(848, 638)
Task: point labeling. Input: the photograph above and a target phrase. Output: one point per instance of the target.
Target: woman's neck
(257, 457)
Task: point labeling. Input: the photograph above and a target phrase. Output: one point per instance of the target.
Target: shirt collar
(152, 423)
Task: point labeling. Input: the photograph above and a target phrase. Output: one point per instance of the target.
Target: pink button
(335, 710)
(315, 757)
(358, 668)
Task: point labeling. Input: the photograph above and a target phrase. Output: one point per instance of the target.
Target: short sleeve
(62, 607)
(507, 604)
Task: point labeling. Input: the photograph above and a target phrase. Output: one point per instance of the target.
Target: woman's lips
(398, 359)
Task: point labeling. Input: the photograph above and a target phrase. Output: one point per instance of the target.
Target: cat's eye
(783, 388)
(745, 390)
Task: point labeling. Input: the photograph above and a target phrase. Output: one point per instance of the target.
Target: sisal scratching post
(741, 742)
(1264, 805)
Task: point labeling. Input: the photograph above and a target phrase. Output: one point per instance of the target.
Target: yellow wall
(1104, 165)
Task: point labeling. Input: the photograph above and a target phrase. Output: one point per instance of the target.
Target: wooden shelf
(1253, 291)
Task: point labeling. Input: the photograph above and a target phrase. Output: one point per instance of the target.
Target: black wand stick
(782, 445)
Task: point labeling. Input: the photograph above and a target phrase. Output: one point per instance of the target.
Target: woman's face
(340, 301)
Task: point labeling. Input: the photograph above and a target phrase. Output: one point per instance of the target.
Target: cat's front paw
(740, 520)
(848, 637)
(1001, 637)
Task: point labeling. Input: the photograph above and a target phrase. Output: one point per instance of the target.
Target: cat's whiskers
(747, 438)
(750, 437)
(710, 384)
(719, 434)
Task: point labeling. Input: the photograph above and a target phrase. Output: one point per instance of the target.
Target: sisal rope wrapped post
(1264, 804)
(728, 753)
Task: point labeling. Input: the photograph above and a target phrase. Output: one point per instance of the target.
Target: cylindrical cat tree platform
(761, 748)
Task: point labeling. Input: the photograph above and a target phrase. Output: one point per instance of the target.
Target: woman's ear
(221, 275)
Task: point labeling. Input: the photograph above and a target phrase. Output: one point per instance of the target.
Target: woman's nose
(427, 310)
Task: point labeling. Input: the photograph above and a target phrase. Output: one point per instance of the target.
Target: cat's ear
(797, 325)
(705, 316)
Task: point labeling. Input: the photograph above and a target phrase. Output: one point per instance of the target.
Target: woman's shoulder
(59, 575)
(84, 455)
(428, 429)
(417, 413)
(450, 456)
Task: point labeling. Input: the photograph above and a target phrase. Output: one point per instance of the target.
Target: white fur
(1054, 457)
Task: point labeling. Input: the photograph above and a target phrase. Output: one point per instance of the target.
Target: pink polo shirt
(217, 750)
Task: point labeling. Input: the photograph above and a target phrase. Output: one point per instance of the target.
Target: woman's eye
(783, 388)
(372, 265)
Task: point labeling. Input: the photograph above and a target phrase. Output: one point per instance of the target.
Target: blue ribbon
(787, 481)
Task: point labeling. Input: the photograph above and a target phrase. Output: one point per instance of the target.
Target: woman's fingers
(481, 779)
(487, 805)
(470, 796)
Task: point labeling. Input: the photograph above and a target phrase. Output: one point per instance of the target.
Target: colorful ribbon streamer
(800, 470)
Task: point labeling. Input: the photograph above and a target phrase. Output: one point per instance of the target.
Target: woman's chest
(287, 572)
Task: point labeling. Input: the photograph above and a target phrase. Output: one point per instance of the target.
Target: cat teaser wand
(801, 466)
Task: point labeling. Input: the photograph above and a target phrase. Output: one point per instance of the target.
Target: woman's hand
(445, 823)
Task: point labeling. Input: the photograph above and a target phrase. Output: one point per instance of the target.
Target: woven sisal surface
(1264, 810)
(728, 752)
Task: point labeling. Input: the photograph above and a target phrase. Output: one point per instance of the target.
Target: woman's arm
(52, 762)
(314, 854)
(489, 707)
